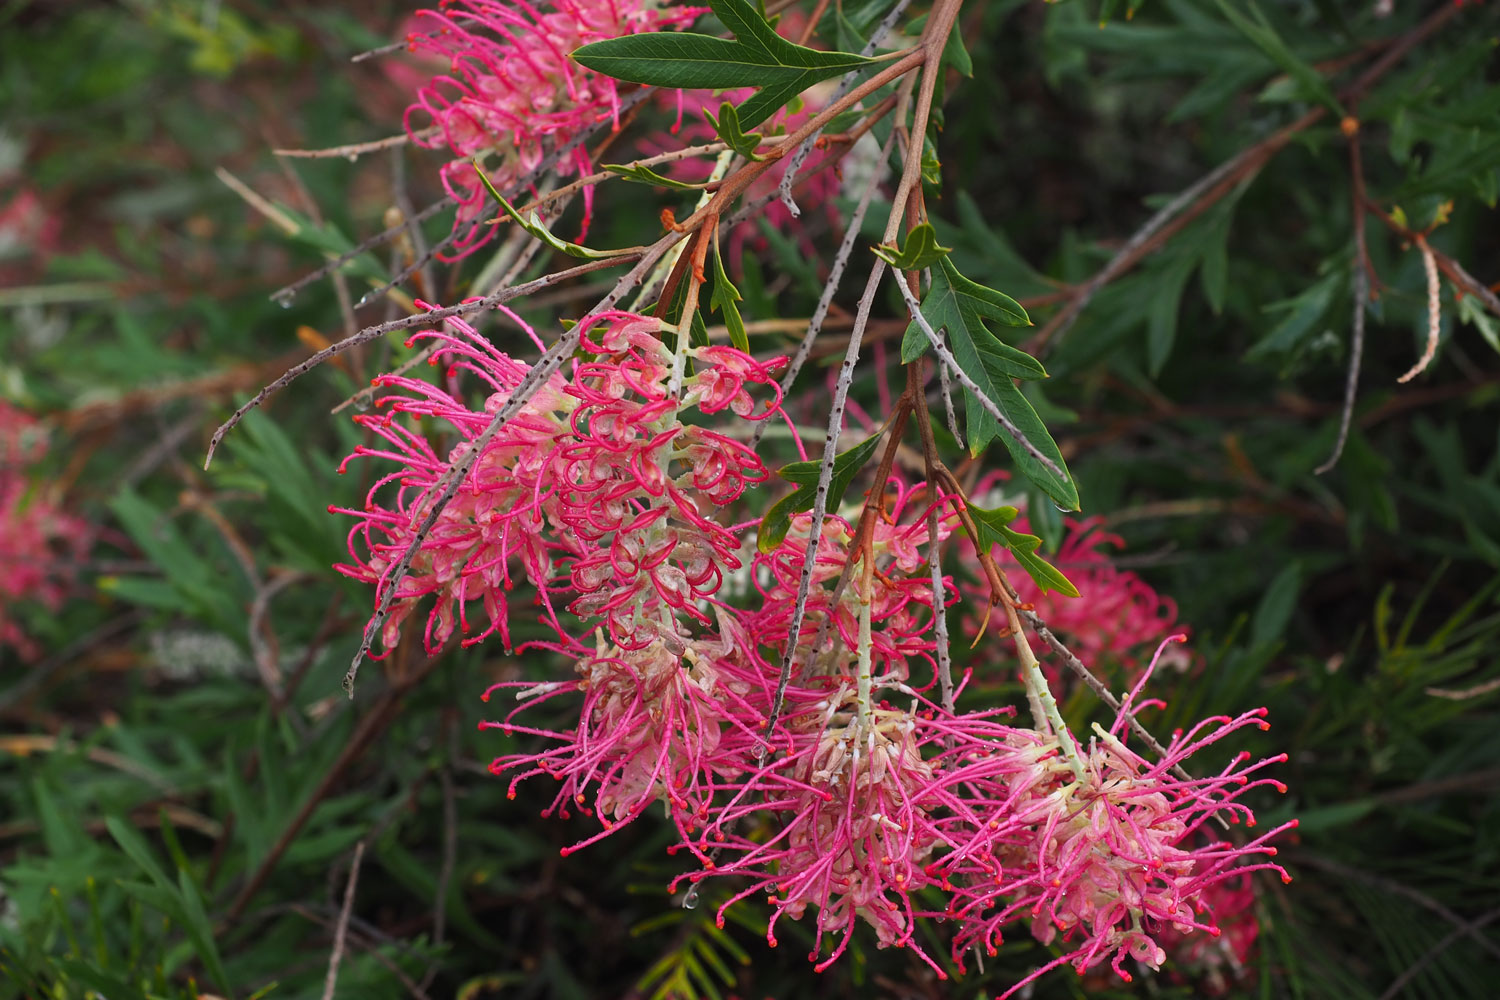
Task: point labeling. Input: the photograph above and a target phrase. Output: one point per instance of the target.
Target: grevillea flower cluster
(511, 94)
(40, 543)
(855, 796)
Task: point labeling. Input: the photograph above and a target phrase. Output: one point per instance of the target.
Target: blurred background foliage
(182, 782)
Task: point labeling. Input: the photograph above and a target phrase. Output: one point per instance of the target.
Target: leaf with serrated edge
(735, 137)
(994, 529)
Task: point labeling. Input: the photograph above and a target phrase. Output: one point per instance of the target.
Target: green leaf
(1259, 30)
(955, 55)
(535, 228)
(200, 929)
(1472, 312)
(1018, 409)
(1276, 606)
(734, 136)
(1305, 310)
(645, 175)
(994, 529)
(920, 252)
(1161, 319)
(991, 523)
(778, 520)
(724, 297)
(757, 57)
(960, 306)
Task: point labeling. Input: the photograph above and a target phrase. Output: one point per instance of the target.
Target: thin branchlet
(522, 183)
(820, 493)
(831, 286)
(381, 329)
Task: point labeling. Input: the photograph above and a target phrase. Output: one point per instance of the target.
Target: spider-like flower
(512, 93)
(852, 816)
(1108, 859)
(596, 489)
(662, 723)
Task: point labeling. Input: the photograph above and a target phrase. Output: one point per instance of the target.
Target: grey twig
(820, 495)
(341, 929)
(789, 177)
(548, 364)
(1356, 353)
(370, 333)
(1448, 940)
(286, 293)
(830, 287)
(939, 615)
(1097, 686)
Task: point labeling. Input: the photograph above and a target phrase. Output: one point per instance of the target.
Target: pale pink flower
(1108, 862)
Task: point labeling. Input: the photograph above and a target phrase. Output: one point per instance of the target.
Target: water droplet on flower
(362, 402)
(690, 900)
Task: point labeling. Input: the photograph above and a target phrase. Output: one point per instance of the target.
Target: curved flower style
(1217, 962)
(511, 91)
(38, 540)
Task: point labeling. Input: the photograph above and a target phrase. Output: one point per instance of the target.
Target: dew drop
(364, 300)
(362, 402)
(283, 299)
(759, 753)
(690, 899)
(353, 157)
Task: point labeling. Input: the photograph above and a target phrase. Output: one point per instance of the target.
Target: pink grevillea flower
(901, 597)
(1116, 613)
(851, 825)
(1106, 860)
(511, 93)
(595, 490)
(657, 724)
(38, 540)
